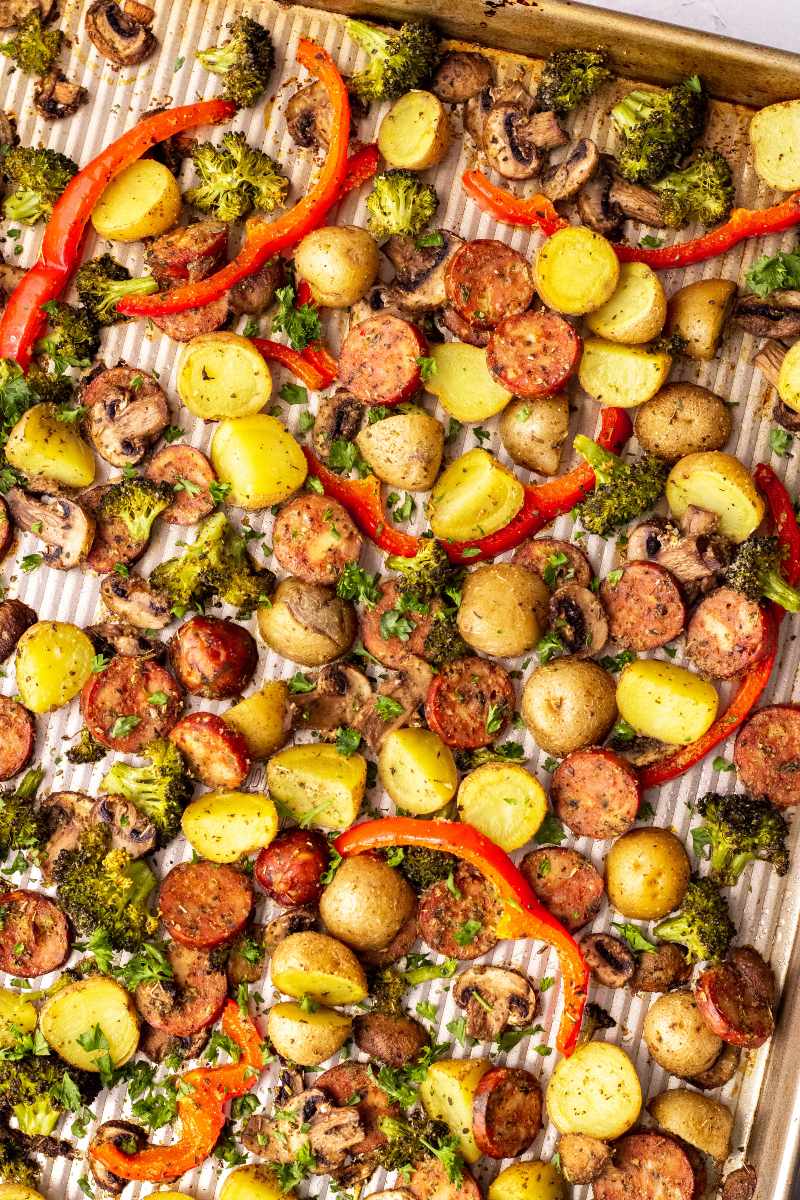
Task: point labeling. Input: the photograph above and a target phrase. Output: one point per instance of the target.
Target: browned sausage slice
(394, 1040)
(431, 1181)
(721, 1071)
(459, 921)
(254, 294)
(609, 959)
(380, 357)
(557, 562)
(183, 326)
(506, 1112)
(733, 1008)
(213, 657)
(727, 634)
(767, 754)
(566, 883)
(348, 1079)
(314, 538)
(487, 280)
(644, 605)
(398, 947)
(647, 1166)
(596, 793)
(17, 737)
(757, 972)
(216, 754)
(130, 702)
(112, 542)
(463, 330)
(6, 528)
(470, 703)
(189, 252)
(191, 475)
(191, 1000)
(740, 1184)
(34, 935)
(204, 904)
(533, 354)
(15, 618)
(390, 633)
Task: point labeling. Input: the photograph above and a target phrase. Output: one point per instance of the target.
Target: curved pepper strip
(204, 1093)
(503, 205)
(322, 360)
(523, 916)
(293, 360)
(362, 499)
(266, 238)
(752, 687)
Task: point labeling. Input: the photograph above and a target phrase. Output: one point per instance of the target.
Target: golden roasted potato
(262, 719)
(504, 801)
(531, 1180)
(462, 383)
(448, 1092)
(16, 1013)
(697, 312)
(321, 788)
(54, 660)
(664, 701)
(622, 375)
(417, 770)
(143, 200)
(404, 450)
(569, 703)
(41, 444)
(315, 965)
(637, 309)
(474, 496)
(339, 263)
(78, 1007)
(533, 432)
(596, 1091)
(260, 460)
(704, 1123)
(721, 484)
(503, 610)
(307, 1038)
(789, 378)
(647, 873)
(775, 138)
(576, 270)
(307, 623)
(677, 1037)
(681, 419)
(224, 826)
(254, 1182)
(222, 375)
(366, 903)
(415, 133)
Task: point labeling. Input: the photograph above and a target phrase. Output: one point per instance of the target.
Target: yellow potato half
(448, 1093)
(254, 1182)
(473, 497)
(54, 660)
(718, 482)
(504, 801)
(81, 1007)
(224, 826)
(263, 718)
(664, 701)
(260, 459)
(319, 786)
(144, 200)
(789, 378)
(621, 375)
(40, 444)
(319, 966)
(528, 1181)
(223, 375)
(417, 770)
(596, 1092)
(576, 270)
(307, 1038)
(415, 133)
(462, 383)
(775, 138)
(637, 310)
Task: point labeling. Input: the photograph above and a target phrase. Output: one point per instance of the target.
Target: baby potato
(699, 1120)
(681, 419)
(404, 450)
(263, 718)
(259, 458)
(647, 873)
(366, 903)
(677, 1037)
(698, 312)
(223, 375)
(315, 965)
(667, 702)
(623, 376)
(307, 623)
(596, 1092)
(16, 1012)
(789, 378)
(40, 444)
(18, 1191)
(339, 263)
(775, 138)
(319, 786)
(462, 383)
(504, 801)
(143, 200)
(448, 1092)
(224, 826)
(636, 311)
(254, 1182)
(576, 271)
(307, 1038)
(473, 497)
(533, 432)
(54, 660)
(532, 1180)
(79, 1007)
(721, 484)
(567, 704)
(417, 770)
(503, 610)
(415, 133)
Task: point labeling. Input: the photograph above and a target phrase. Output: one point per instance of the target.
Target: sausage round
(189, 252)
(727, 634)
(129, 703)
(741, 1184)
(460, 76)
(314, 538)
(6, 528)
(254, 294)
(34, 935)
(379, 362)
(216, 754)
(459, 922)
(290, 869)
(767, 754)
(566, 883)
(465, 697)
(647, 1166)
(431, 1181)
(757, 972)
(212, 657)
(190, 473)
(609, 959)
(506, 1112)
(556, 561)
(191, 1000)
(204, 904)
(112, 542)
(394, 650)
(394, 1040)
(463, 330)
(732, 1007)
(349, 1079)
(17, 737)
(398, 947)
(487, 280)
(533, 354)
(15, 618)
(184, 326)
(596, 793)
(644, 606)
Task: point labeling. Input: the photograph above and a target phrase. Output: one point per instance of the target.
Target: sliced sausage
(721, 1071)
(463, 330)
(430, 1181)
(184, 326)
(213, 657)
(379, 362)
(465, 698)
(126, 411)
(349, 1079)
(314, 538)
(727, 634)
(191, 475)
(556, 561)
(15, 618)
(158, 1046)
(757, 972)
(566, 883)
(582, 1157)
(216, 754)
(487, 280)
(290, 869)
(190, 252)
(647, 1166)
(377, 629)
(741, 1184)
(112, 542)
(400, 945)
(190, 1001)
(254, 294)
(506, 1112)
(204, 904)
(644, 606)
(34, 935)
(17, 737)
(767, 754)
(608, 958)
(460, 76)
(661, 969)
(596, 793)
(459, 921)
(130, 702)
(6, 527)
(579, 619)
(533, 354)
(733, 1008)
(394, 1040)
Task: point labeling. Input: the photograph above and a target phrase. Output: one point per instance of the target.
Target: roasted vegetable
(417, 1137)
(33, 48)
(422, 866)
(399, 60)
(702, 191)
(85, 749)
(17, 1166)
(102, 888)
(703, 924)
(235, 178)
(245, 61)
(569, 77)
(72, 337)
(39, 1087)
(756, 571)
(658, 128)
(160, 790)
(400, 203)
(102, 282)
(740, 830)
(136, 502)
(444, 643)
(623, 490)
(215, 564)
(37, 178)
(773, 273)
(22, 826)
(429, 573)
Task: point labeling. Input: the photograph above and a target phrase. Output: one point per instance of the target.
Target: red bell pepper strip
(784, 519)
(504, 206)
(361, 166)
(322, 360)
(23, 319)
(362, 499)
(201, 1109)
(523, 916)
(294, 361)
(266, 238)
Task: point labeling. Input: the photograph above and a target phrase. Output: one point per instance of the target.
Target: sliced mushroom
(694, 554)
(564, 181)
(460, 76)
(9, 277)
(123, 37)
(375, 301)
(159, 1045)
(338, 698)
(638, 203)
(721, 1071)
(769, 359)
(114, 637)
(544, 130)
(126, 412)
(418, 285)
(777, 315)
(307, 1121)
(14, 12)
(67, 815)
(391, 1194)
(338, 417)
(8, 124)
(60, 523)
(55, 97)
(578, 617)
(15, 618)
(130, 829)
(135, 602)
(609, 959)
(495, 998)
(125, 1136)
(294, 920)
(309, 116)
(475, 112)
(408, 688)
(253, 295)
(595, 207)
(507, 143)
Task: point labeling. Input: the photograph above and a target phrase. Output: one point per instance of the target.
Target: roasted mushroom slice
(125, 1136)
(14, 12)
(130, 829)
(55, 97)
(408, 688)
(595, 207)
(338, 417)
(544, 130)
(254, 294)
(307, 1121)
(692, 554)
(114, 637)
(495, 998)
(134, 601)
(638, 203)
(564, 181)
(309, 116)
(59, 522)
(579, 620)
(293, 920)
(338, 698)
(15, 618)
(460, 76)
(507, 143)
(159, 1045)
(122, 35)
(66, 814)
(9, 277)
(126, 412)
(418, 285)
(776, 315)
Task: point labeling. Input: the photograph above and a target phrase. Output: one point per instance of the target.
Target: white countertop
(770, 22)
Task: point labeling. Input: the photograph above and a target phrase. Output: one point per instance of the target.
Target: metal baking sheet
(764, 1094)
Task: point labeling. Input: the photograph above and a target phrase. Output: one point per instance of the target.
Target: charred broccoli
(22, 826)
(136, 502)
(72, 339)
(33, 49)
(427, 574)
(400, 203)
(86, 749)
(235, 178)
(399, 60)
(102, 282)
(37, 177)
(245, 61)
(703, 924)
(417, 1137)
(387, 989)
(658, 128)
(17, 1165)
(48, 387)
(444, 644)
(756, 571)
(160, 790)
(100, 887)
(622, 491)
(701, 191)
(740, 830)
(422, 866)
(569, 77)
(39, 1087)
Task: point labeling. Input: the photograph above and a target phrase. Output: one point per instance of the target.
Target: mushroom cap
(508, 999)
(66, 529)
(118, 36)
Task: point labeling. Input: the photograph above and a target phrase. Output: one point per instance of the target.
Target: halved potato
(534, 430)
(307, 1038)
(504, 801)
(404, 450)
(253, 1182)
(665, 701)
(462, 383)
(16, 1012)
(637, 310)
(576, 271)
(41, 444)
(622, 375)
(224, 826)
(223, 375)
(448, 1092)
(698, 313)
(263, 718)
(596, 1092)
(54, 660)
(721, 484)
(789, 378)
(701, 1121)
(417, 770)
(143, 200)
(87, 1019)
(320, 787)
(473, 497)
(315, 965)
(415, 133)
(533, 1180)
(775, 138)
(260, 460)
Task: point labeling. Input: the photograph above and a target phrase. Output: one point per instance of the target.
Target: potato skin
(327, 632)
(647, 873)
(307, 1039)
(533, 432)
(320, 966)
(701, 1121)
(366, 903)
(567, 704)
(415, 133)
(677, 1036)
(683, 418)
(503, 609)
(417, 770)
(143, 200)
(698, 312)
(405, 450)
(339, 263)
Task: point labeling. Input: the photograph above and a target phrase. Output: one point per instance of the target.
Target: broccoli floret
(622, 490)
(569, 77)
(72, 338)
(399, 60)
(444, 644)
(400, 203)
(701, 191)
(741, 830)
(33, 49)
(136, 502)
(428, 573)
(48, 387)
(22, 826)
(658, 128)
(102, 282)
(756, 571)
(245, 61)
(594, 1019)
(160, 790)
(414, 1138)
(387, 989)
(235, 178)
(38, 177)
(86, 749)
(17, 1165)
(703, 924)
(39, 1088)
(102, 887)
(422, 866)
